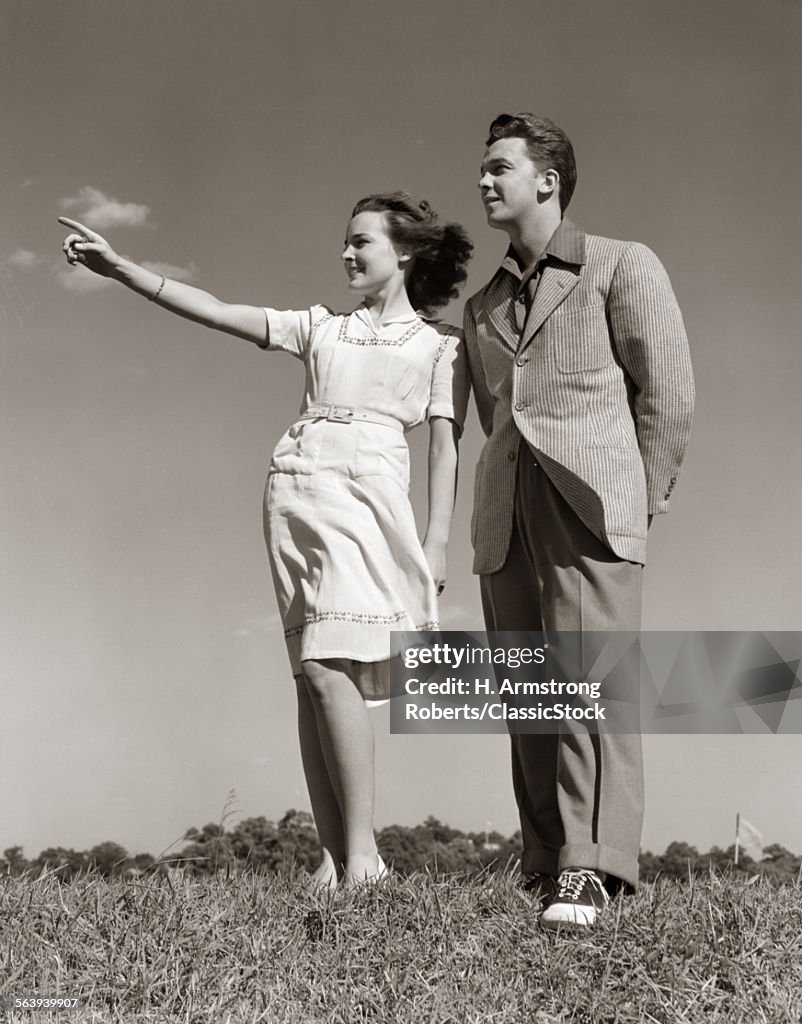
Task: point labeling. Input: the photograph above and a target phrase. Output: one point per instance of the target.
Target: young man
(583, 384)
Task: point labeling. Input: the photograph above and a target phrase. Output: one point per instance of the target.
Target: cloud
(24, 259)
(79, 279)
(101, 211)
(172, 271)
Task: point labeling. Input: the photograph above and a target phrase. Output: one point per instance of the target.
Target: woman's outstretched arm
(87, 247)
(443, 460)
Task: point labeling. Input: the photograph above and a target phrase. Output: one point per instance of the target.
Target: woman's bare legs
(346, 741)
(325, 807)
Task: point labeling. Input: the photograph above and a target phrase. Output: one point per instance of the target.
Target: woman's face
(370, 259)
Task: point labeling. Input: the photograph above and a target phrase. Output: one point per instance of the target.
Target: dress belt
(347, 414)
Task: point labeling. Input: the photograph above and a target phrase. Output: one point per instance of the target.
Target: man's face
(509, 182)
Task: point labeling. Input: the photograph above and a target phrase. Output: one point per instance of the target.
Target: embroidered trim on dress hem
(362, 618)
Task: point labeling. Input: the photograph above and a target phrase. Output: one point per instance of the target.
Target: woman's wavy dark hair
(440, 251)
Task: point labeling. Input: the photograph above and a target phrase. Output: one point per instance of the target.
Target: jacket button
(510, 456)
(521, 360)
(520, 405)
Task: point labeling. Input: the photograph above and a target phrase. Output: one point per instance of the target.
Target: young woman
(346, 560)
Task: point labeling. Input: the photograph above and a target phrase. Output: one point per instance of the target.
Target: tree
(109, 859)
(141, 863)
(68, 863)
(13, 862)
(298, 839)
(679, 860)
(257, 844)
(209, 849)
(404, 848)
(779, 864)
(439, 832)
(650, 866)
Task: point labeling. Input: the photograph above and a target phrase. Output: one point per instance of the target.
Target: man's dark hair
(548, 145)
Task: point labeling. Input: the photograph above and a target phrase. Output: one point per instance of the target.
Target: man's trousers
(579, 792)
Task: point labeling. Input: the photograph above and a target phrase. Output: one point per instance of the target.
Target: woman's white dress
(346, 559)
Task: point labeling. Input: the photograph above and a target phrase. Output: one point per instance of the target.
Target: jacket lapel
(501, 310)
(555, 285)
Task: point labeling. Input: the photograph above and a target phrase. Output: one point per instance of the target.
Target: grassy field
(420, 949)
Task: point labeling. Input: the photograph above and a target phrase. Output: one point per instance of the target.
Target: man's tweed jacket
(599, 384)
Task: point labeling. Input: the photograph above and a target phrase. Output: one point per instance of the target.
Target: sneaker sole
(554, 923)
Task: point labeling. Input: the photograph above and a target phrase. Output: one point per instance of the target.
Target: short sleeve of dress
(290, 330)
(450, 380)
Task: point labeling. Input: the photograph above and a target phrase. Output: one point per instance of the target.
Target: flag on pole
(748, 838)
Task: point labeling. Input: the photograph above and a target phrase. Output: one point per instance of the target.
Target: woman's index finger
(77, 226)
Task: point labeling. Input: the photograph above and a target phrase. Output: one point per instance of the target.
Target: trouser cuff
(597, 857)
(540, 862)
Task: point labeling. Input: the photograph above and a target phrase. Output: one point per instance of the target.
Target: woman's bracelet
(158, 291)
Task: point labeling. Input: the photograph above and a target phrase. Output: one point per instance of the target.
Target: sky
(145, 686)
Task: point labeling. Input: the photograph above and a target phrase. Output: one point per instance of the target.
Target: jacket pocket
(580, 340)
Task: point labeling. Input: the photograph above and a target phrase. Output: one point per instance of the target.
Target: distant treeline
(262, 845)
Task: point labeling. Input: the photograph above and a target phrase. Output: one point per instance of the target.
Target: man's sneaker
(540, 887)
(580, 898)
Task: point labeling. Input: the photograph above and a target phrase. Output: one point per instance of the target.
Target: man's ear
(550, 182)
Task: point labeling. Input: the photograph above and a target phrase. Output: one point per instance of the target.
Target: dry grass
(423, 950)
